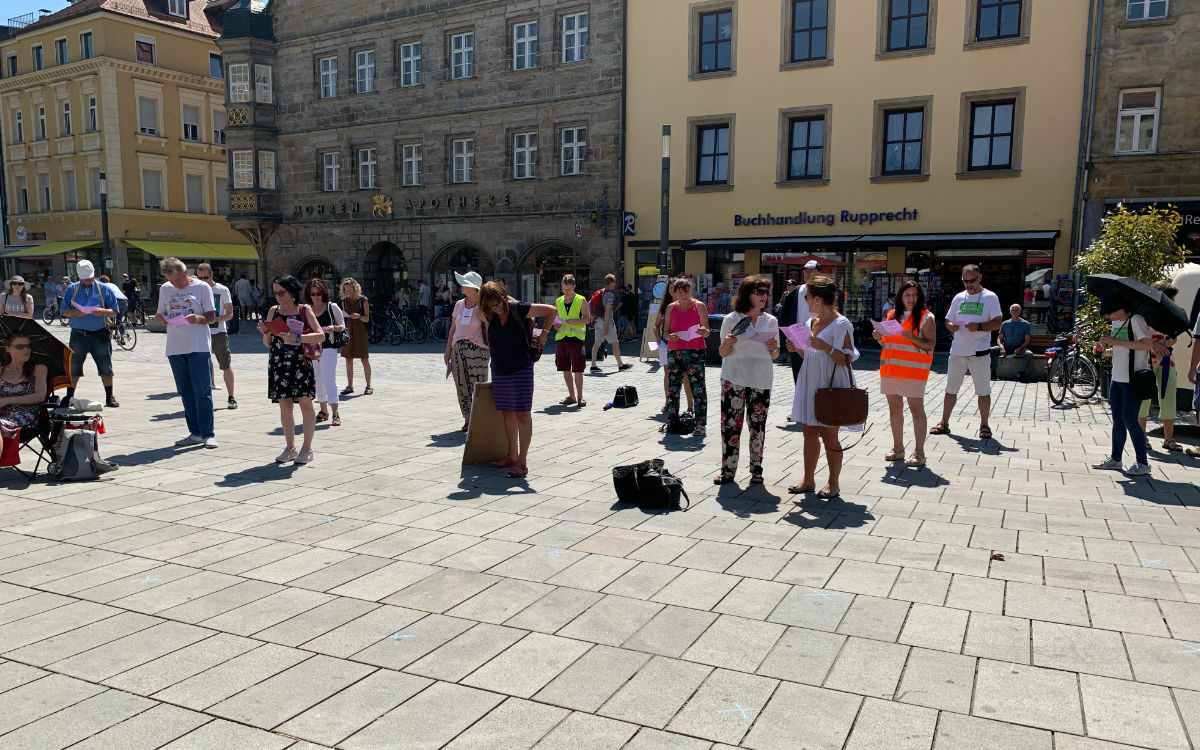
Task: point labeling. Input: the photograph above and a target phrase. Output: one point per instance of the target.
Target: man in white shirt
(972, 316)
(794, 309)
(245, 295)
(424, 297)
(189, 303)
(223, 304)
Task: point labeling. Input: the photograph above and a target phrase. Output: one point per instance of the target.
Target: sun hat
(470, 279)
(16, 280)
(812, 264)
(85, 270)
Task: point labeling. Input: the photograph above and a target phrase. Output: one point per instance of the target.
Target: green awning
(195, 250)
(51, 248)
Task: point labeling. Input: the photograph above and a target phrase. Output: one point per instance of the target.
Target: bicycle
(136, 314)
(414, 325)
(1069, 369)
(440, 328)
(124, 336)
(54, 311)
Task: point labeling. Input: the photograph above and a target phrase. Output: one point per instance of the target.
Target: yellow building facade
(135, 94)
(888, 139)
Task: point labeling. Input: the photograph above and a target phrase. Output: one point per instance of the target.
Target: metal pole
(664, 226)
(106, 248)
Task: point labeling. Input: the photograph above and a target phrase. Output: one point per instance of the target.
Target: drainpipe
(1083, 167)
(624, 139)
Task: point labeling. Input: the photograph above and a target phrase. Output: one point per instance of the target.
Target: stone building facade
(397, 142)
(1145, 117)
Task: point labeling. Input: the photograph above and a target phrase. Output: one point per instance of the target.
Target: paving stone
(442, 590)
(1045, 603)
(808, 570)
(114, 657)
(724, 707)
(643, 581)
(1183, 619)
(653, 739)
(615, 542)
(696, 588)
(151, 729)
(735, 643)
(1073, 742)
(426, 721)
(1189, 707)
(14, 675)
(231, 677)
(873, 617)
(263, 613)
(552, 611)
(537, 563)
(656, 692)
(82, 639)
(221, 601)
(515, 724)
(957, 731)
(502, 600)
(883, 725)
(593, 678)
(781, 727)
(33, 700)
(278, 698)
(153, 676)
(340, 573)
(868, 668)
(593, 573)
(465, 653)
(817, 609)
(1078, 649)
(382, 583)
(31, 605)
(802, 655)
(77, 722)
(976, 594)
(339, 716)
(1162, 661)
(938, 680)
(752, 598)
(916, 585)
(528, 665)
(1131, 712)
(864, 578)
(998, 637)
(400, 648)
(227, 734)
(1126, 613)
(1028, 695)
(315, 622)
(51, 622)
(939, 628)
(711, 556)
(612, 621)
(583, 732)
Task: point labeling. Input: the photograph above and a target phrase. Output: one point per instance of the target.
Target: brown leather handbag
(841, 407)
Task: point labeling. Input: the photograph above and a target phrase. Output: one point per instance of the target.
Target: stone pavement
(386, 597)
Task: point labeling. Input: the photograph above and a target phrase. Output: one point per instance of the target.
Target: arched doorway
(460, 257)
(384, 272)
(317, 268)
(544, 266)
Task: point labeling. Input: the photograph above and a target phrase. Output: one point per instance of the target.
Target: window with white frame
(332, 171)
(1138, 10)
(410, 64)
(193, 185)
(574, 145)
(221, 187)
(44, 184)
(218, 121)
(70, 199)
(575, 37)
(410, 164)
(144, 50)
(525, 45)
(328, 69)
(1137, 121)
(463, 150)
(60, 51)
(524, 156)
(191, 122)
(93, 122)
(147, 116)
(367, 168)
(266, 170)
(152, 189)
(41, 134)
(216, 68)
(38, 61)
(64, 127)
(18, 127)
(263, 91)
(239, 82)
(462, 55)
(177, 8)
(12, 65)
(23, 195)
(243, 169)
(85, 46)
(364, 71)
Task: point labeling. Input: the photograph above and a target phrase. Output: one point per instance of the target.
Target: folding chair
(40, 438)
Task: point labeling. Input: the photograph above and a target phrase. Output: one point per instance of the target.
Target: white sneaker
(210, 442)
(1108, 464)
(1137, 470)
(188, 441)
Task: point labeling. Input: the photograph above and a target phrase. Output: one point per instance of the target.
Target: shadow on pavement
(989, 447)
(148, 456)
(1160, 491)
(447, 439)
(271, 472)
(899, 474)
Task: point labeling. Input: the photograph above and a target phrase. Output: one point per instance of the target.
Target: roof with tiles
(155, 11)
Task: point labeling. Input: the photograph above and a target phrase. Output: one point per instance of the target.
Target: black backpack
(684, 424)
(649, 485)
(626, 397)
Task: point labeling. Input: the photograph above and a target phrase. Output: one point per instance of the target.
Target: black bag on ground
(625, 479)
(684, 424)
(649, 485)
(626, 397)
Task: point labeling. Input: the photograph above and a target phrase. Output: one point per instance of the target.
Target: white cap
(85, 270)
(812, 264)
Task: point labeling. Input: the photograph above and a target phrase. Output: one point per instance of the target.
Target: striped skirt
(514, 392)
(469, 365)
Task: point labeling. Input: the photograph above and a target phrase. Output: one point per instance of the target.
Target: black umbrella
(47, 350)
(1160, 313)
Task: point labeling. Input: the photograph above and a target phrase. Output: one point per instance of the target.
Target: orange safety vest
(903, 359)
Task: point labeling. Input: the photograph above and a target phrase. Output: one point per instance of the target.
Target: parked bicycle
(440, 328)
(122, 334)
(1069, 368)
(51, 312)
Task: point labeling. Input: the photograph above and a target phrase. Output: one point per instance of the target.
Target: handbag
(684, 424)
(625, 479)
(310, 351)
(649, 485)
(626, 397)
(841, 407)
(536, 344)
(1142, 383)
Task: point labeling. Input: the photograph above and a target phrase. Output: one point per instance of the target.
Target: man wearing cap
(89, 335)
(794, 309)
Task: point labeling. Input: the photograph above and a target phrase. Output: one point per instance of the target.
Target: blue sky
(12, 8)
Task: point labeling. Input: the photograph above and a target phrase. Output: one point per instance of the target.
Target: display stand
(648, 333)
(486, 438)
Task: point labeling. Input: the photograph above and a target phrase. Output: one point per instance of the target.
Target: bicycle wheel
(420, 332)
(1055, 380)
(1082, 379)
(62, 319)
(48, 315)
(441, 329)
(137, 316)
(126, 337)
(395, 333)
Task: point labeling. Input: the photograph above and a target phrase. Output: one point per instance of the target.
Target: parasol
(47, 350)
(1160, 313)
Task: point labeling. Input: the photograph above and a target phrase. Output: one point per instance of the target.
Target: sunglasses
(971, 281)
(763, 290)
(204, 278)
(20, 346)
(18, 283)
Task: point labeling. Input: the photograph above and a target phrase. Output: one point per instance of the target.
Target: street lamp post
(664, 225)
(106, 248)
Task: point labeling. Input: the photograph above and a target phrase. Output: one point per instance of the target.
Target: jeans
(1125, 421)
(192, 373)
(98, 345)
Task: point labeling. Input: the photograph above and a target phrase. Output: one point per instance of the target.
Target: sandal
(368, 391)
(723, 479)
(567, 401)
(1172, 445)
(917, 460)
(756, 479)
(337, 420)
(894, 455)
(347, 390)
(1194, 452)
(502, 462)
(802, 488)
(322, 416)
(518, 470)
(582, 403)
(941, 428)
(985, 433)
(829, 493)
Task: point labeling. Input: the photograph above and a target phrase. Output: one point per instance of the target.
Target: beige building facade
(134, 92)
(887, 139)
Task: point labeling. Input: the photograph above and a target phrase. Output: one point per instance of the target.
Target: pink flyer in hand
(798, 334)
(691, 333)
(85, 309)
(558, 321)
(765, 336)
(178, 320)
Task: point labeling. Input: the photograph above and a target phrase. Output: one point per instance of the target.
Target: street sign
(628, 224)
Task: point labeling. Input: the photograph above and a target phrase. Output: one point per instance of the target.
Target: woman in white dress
(830, 352)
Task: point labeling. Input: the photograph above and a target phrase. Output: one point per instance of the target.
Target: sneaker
(216, 387)
(1108, 464)
(303, 457)
(595, 368)
(1137, 470)
(232, 402)
(625, 366)
(287, 455)
(210, 442)
(189, 441)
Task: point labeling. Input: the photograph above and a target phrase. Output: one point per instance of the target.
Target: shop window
(410, 64)
(1137, 121)
(712, 155)
(997, 19)
(574, 149)
(810, 30)
(806, 148)
(525, 45)
(327, 67)
(524, 156)
(364, 71)
(462, 55)
(410, 164)
(575, 37)
(1139, 10)
(907, 25)
(463, 156)
(714, 51)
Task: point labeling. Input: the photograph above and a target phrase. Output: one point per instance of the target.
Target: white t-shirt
(972, 308)
(242, 287)
(221, 297)
(803, 314)
(749, 364)
(1120, 358)
(194, 299)
(423, 298)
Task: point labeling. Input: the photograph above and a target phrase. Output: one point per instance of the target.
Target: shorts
(568, 355)
(246, 301)
(612, 332)
(99, 347)
(980, 369)
(220, 349)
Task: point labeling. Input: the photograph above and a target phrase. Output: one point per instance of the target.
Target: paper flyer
(691, 333)
(798, 334)
(888, 327)
(85, 309)
(178, 320)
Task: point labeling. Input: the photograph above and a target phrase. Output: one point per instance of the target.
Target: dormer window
(178, 8)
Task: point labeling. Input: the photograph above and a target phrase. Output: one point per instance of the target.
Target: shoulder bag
(337, 339)
(1141, 382)
(310, 351)
(650, 486)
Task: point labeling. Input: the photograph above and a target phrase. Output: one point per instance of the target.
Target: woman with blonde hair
(507, 330)
(16, 299)
(357, 313)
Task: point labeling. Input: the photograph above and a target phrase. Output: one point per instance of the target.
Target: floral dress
(289, 373)
(25, 415)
